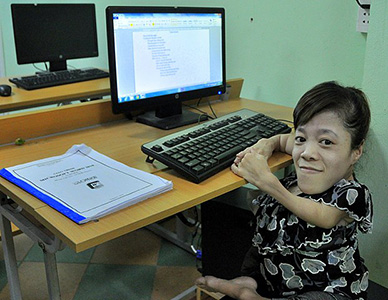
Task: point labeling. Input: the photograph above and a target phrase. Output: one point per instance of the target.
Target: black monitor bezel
(156, 102)
(54, 58)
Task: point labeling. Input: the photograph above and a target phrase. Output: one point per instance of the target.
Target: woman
(305, 244)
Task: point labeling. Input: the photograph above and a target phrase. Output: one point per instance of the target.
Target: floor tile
(66, 255)
(139, 265)
(140, 247)
(171, 255)
(105, 282)
(172, 281)
(34, 285)
(23, 244)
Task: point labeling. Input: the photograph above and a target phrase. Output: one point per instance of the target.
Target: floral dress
(292, 256)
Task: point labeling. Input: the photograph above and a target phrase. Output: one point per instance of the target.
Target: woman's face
(322, 153)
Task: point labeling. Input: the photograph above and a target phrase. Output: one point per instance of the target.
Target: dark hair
(349, 103)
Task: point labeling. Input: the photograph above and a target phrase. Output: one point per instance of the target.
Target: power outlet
(363, 20)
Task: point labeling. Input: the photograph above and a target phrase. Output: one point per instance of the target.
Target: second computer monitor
(54, 33)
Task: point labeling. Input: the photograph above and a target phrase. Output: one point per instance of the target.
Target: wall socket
(363, 17)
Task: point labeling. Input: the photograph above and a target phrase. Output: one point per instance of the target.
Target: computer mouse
(5, 90)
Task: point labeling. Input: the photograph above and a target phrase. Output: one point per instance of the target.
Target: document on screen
(85, 185)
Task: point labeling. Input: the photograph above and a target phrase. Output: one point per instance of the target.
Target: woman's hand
(252, 165)
(264, 147)
(254, 168)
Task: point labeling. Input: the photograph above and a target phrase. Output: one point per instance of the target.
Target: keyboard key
(229, 153)
(192, 163)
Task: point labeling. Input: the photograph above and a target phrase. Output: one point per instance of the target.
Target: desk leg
(49, 244)
(10, 258)
(52, 275)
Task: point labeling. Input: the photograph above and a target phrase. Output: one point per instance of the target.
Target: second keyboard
(204, 150)
(48, 79)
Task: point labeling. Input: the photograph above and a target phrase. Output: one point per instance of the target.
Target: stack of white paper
(85, 185)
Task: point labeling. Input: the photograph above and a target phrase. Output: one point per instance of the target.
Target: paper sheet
(84, 184)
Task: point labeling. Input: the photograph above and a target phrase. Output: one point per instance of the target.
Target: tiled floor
(137, 266)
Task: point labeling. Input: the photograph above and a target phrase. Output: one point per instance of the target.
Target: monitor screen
(54, 33)
(161, 56)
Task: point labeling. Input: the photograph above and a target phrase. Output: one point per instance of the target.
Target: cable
(39, 68)
(186, 221)
(364, 6)
(200, 117)
(189, 222)
(196, 247)
(211, 108)
(203, 112)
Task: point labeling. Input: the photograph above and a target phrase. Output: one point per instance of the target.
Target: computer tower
(227, 231)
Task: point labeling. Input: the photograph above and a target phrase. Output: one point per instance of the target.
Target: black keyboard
(48, 79)
(204, 150)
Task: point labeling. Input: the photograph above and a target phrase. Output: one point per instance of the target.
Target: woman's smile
(309, 169)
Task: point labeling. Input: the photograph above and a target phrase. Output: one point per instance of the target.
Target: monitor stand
(171, 116)
(59, 65)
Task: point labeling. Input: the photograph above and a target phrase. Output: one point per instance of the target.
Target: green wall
(375, 166)
(287, 48)
(282, 48)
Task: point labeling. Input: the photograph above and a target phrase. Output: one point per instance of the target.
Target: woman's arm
(254, 168)
(315, 213)
(281, 142)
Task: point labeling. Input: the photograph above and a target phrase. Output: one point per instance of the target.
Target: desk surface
(121, 140)
(21, 98)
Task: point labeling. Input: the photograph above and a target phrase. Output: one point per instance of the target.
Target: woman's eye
(326, 142)
(299, 139)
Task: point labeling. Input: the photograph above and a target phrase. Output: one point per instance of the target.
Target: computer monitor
(161, 56)
(54, 33)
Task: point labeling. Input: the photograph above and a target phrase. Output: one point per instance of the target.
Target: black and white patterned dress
(292, 256)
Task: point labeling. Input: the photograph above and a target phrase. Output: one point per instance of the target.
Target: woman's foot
(243, 288)
(210, 283)
(246, 281)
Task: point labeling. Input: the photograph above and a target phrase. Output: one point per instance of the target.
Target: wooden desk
(21, 98)
(119, 139)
